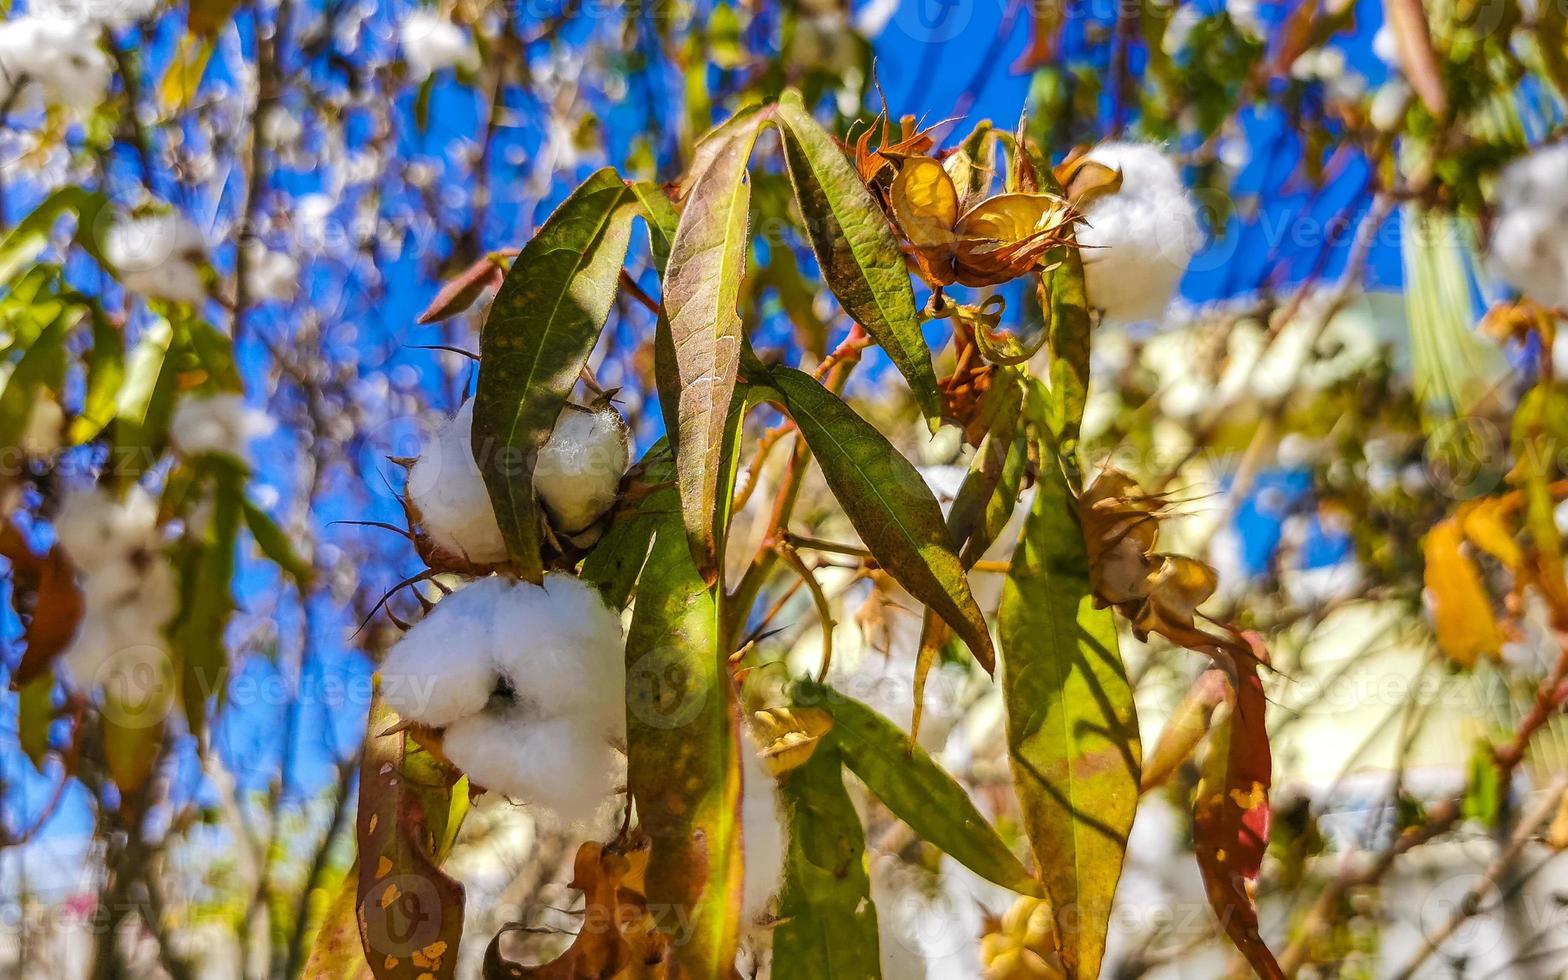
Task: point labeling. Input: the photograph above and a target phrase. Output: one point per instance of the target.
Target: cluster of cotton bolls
(128, 587)
(527, 683)
(432, 43)
(221, 424)
(1137, 242)
(54, 59)
(577, 475)
(160, 256)
(1529, 243)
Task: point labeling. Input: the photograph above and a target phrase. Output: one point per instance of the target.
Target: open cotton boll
(1137, 242)
(560, 764)
(159, 256)
(55, 57)
(96, 530)
(562, 649)
(444, 669)
(270, 275)
(432, 43)
(217, 424)
(1529, 244)
(579, 470)
(764, 837)
(449, 496)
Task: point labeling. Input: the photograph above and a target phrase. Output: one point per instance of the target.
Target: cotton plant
(127, 585)
(159, 255)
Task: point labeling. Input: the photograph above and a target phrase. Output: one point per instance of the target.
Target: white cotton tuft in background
(45, 431)
(580, 468)
(270, 275)
(159, 256)
(128, 588)
(562, 764)
(449, 496)
(432, 43)
(53, 57)
(219, 423)
(1138, 241)
(1529, 243)
(764, 839)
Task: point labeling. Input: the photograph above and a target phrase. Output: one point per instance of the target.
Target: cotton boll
(449, 496)
(444, 669)
(270, 275)
(1138, 241)
(764, 837)
(562, 649)
(579, 470)
(559, 764)
(159, 256)
(55, 57)
(1529, 245)
(217, 424)
(432, 43)
(1389, 104)
(97, 530)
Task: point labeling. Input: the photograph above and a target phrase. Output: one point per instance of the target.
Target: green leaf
(30, 237)
(855, 248)
(828, 924)
(34, 711)
(410, 912)
(699, 349)
(682, 768)
(275, 544)
(214, 351)
(544, 323)
(1551, 39)
(144, 402)
(42, 366)
(616, 561)
(888, 503)
(910, 783)
(661, 217)
(986, 498)
(1067, 327)
(1072, 734)
(105, 373)
(206, 569)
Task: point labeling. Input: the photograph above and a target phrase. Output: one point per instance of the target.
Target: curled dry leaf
(46, 599)
(789, 736)
(1022, 944)
(1462, 614)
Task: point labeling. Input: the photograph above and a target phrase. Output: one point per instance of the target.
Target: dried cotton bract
(1529, 243)
(1138, 240)
(128, 588)
(159, 256)
(529, 684)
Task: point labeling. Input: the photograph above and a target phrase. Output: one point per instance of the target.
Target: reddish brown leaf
(1413, 40)
(1230, 816)
(46, 599)
(462, 291)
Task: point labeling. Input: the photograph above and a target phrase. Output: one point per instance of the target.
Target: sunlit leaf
(681, 734)
(462, 291)
(544, 323)
(410, 913)
(911, 784)
(105, 373)
(1185, 728)
(1072, 733)
(30, 236)
(1413, 41)
(275, 544)
(206, 568)
(1462, 614)
(617, 560)
(889, 504)
(701, 336)
(855, 248)
(829, 924)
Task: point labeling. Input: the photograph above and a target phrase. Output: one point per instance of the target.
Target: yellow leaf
(1485, 524)
(1461, 611)
(789, 736)
(183, 76)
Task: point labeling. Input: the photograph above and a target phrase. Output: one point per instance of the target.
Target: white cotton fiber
(55, 57)
(579, 470)
(270, 275)
(1529, 236)
(563, 650)
(1138, 241)
(560, 764)
(431, 43)
(160, 256)
(764, 837)
(218, 423)
(449, 496)
(97, 530)
(444, 669)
